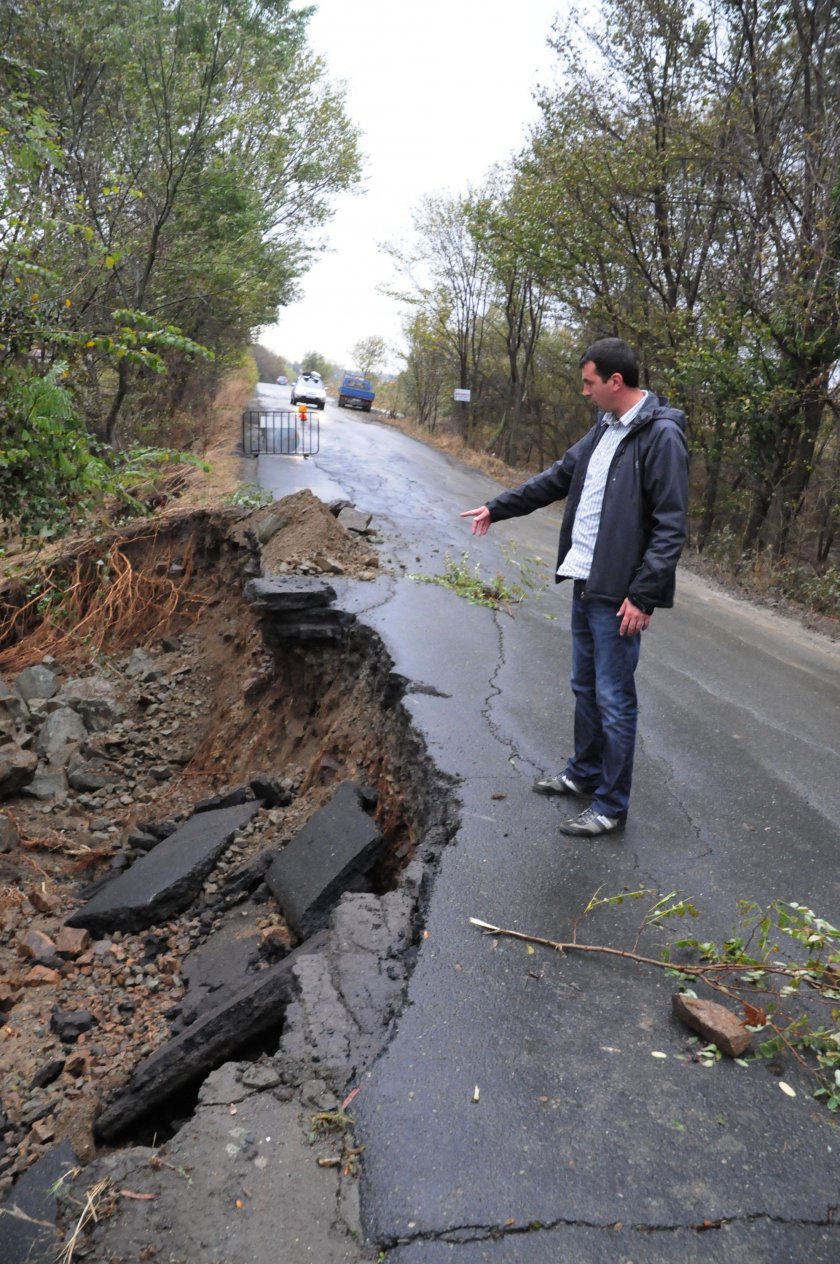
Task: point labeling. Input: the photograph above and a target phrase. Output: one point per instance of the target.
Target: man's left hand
(633, 620)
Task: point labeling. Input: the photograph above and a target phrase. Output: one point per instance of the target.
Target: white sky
(442, 90)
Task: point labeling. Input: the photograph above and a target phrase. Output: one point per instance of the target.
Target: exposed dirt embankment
(136, 683)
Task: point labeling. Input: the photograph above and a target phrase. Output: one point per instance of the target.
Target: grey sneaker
(590, 824)
(562, 784)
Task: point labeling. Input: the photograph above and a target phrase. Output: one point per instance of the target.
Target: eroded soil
(205, 707)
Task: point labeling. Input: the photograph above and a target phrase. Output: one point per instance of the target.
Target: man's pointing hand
(481, 519)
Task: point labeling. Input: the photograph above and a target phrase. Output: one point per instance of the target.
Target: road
(585, 1144)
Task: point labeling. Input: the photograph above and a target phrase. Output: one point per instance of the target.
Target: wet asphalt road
(583, 1146)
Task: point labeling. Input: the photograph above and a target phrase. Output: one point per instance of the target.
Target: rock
(34, 943)
(69, 1024)
(354, 520)
(166, 880)
(8, 997)
(88, 777)
(271, 790)
(60, 735)
(142, 666)
(43, 900)
(47, 1074)
(210, 1041)
(9, 836)
(713, 1022)
(230, 800)
(43, 1130)
(315, 867)
(95, 699)
(12, 706)
(328, 565)
(36, 682)
(269, 526)
(141, 841)
(72, 941)
(46, 785)
(77, 1064)
(17, 768)
(41, 976)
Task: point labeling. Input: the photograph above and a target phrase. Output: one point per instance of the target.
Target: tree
(203, 146)
(425, 371)
(314, 362)
(685, 196)
(500, 221)
(370, 355)
(451, 281)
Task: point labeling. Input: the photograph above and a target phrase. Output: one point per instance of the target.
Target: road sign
(461, 396)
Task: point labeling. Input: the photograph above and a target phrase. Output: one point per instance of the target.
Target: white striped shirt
(578, 561)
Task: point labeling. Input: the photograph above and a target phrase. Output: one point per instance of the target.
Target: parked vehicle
(355, 392)
(309, 389)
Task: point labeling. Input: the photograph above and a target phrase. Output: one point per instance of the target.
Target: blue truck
(355, 392)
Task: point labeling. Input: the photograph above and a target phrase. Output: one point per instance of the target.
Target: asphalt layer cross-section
(582, 1146)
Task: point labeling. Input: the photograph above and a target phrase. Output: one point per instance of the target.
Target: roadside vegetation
(164, 170)
(680, 190)
(778, 964)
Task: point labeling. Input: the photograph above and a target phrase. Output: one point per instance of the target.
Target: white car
(309, 389)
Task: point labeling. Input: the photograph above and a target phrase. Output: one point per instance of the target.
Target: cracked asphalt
(581, 1145)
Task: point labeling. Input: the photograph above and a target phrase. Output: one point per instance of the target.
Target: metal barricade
(284, 432)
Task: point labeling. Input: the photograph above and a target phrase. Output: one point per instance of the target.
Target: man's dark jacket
(643, 518)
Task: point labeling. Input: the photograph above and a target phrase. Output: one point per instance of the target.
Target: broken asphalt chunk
(340, 842)
(296, 609)
(211, 1040)
(296, 593)
(167, 879)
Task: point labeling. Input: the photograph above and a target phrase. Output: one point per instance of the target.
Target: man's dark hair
(612, 355)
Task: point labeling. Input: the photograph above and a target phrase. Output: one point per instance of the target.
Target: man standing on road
(624, 526)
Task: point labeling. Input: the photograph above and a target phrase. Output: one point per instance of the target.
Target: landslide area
(183, 702)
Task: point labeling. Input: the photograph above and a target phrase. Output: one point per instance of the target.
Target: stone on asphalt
(713, 1022)
(167, 879)
(317, 865)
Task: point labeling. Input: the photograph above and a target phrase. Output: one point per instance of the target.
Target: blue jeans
(603, 667)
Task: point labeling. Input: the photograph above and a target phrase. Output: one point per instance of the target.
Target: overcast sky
(442, 90)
